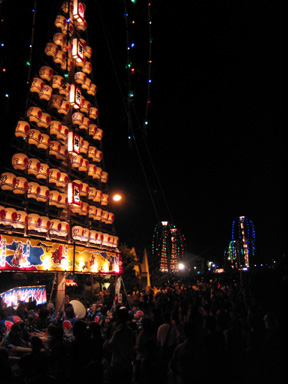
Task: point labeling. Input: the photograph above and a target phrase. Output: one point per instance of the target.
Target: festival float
(54, 198)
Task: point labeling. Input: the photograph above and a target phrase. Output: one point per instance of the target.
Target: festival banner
(25, 294)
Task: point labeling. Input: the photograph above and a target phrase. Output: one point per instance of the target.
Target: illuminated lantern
(85, 235)
(115, 241)
(21, 221)
(43, 194)
(105, 199)
(87, 67)
(46, 73)
(34, 221)
(2, 214)
(56, 101)
(99, 156)
(77, 118)
(21, 186)
(54, 176)
(57, 82)
(54, 148)
(22, 129)
(64, 107)
(63, 180)
(93, 113)
(46, 92)
(20, 161)
(44, 120)
(85, 106)
(106, 239)
(51, 49)
(64, 230)
(34, 114)
(33, 190)
(63, 200)
(59, 39)
(54, 198)
(37, 85)
(76, 160)
(84, 166)
(99, 238)
(10, 216)
(33, 166)
(84, 146)
(98, 135)
(87, 84)
(80, 77)
(105, 215)
(70, 29)
(84, 209)
(80, 185)
(110, 218)
(104, 177)
(60, 58)
(73, 194)
(8, 181)
(73, 143)
(76, 208)
(75, 96)
(98, 215)
(92, 129)
(92, 212)
(98, 196)
(93, 236)
(78, 52)
(87, 52)
(77, 232)
(62, 133)
(92, 89)
(63, 153)
(91, 193)
(85, 123)
(34, 137)
(44, 225)
(43, 171)
(92, 171)
(55, 227)
(44, 141)
(92, 152)
(78, 10)
(65, 90)
(81, 25)
(85, 189)
(61, 23)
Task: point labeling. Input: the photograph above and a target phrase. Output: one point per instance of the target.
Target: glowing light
(181, 266)
(117, 197)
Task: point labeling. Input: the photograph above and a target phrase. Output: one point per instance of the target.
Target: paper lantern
(55, 127)
(55, 227)
(46, 92)
(104, 177)
(85, 106)
(57, 82)
(61, 23)
(34, 137)
(63, 180)
(77, 232)
(78, 52)
(84, 209)
(60, 58)
(87, 67)
(93, 236)
(104, 217)
(115, 241)
(110, 218)
(98, 196)
(92, 212)
(21, 185)
(80, 184)
(84, 146)
(44, 225)
(37, 85)
(22, 129)
(77, 118)
(8, 181)
(85, 123)
(84, 166)
(99, 156)
(64, 230)
(98, 135)
(43, 171)
(80, 25)
(10, 216)
(92, 152)
(46, 73)
(73, 194)
(76, 160)
(51, 49)
(88, 51)
(75, 96)
(34, 114)
(54, 198)
(64, 107)
(43, 194)
(60, 39)
(85, 189)
(91, 193)
(21, 221)
(98, 215)
(99, 238)
(92, 171)
(54, 148)
(44, 120)
(20, 161)
(105, 199)
(54, 176)
(63, 134)
(80, 77)
(44, 141)
(87, 84)
(85, 235)
(63, 153)
(106, 239)
(34, 221)
(56, 101)
(93, 113)
(33, 166)
(33, 190)
(92, 90)
(76, 208)
(63, 200)
(65, 90)
(2, 213)
(92, 129)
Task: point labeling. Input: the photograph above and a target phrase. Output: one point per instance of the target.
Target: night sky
(213, 149)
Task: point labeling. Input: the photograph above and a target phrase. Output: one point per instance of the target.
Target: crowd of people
(177, 333)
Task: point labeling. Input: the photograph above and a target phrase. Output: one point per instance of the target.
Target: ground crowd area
(177, 333)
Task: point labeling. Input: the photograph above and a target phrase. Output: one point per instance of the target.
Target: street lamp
(117, 197)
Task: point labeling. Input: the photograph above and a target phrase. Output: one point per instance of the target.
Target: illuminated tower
(242, 245)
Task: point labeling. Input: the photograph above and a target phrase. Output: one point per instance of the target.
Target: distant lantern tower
(168, 245)
(243, 241)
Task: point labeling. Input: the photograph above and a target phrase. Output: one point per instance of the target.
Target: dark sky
(214, 146)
